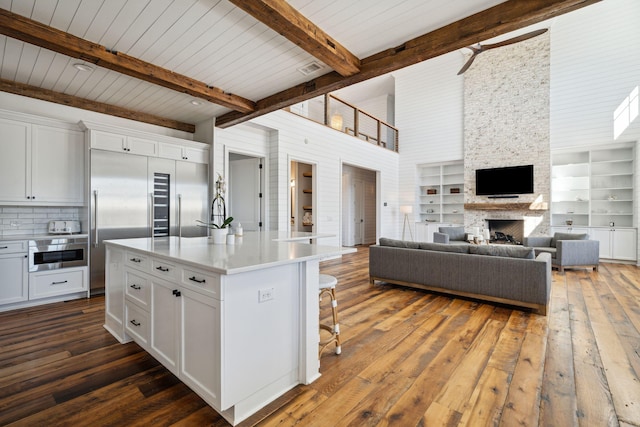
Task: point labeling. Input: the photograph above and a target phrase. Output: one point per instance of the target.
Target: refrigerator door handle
(179, 215)
(95, 221)
(151, 214)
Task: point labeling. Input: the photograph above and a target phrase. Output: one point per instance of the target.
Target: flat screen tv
(512, 180)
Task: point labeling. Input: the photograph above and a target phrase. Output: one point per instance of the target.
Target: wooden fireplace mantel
(530, 206)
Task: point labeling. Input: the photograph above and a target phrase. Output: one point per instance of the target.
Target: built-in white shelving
(593, 188)
(441, 192)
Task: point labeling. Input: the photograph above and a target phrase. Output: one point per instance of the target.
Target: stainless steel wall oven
(58, 252)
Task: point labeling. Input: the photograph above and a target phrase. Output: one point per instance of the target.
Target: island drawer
(202, 281)
(137, 288)
(164, 269)
(138, 261)
(137, 323)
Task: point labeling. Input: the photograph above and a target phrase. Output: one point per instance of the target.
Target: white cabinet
(122, 143)
(44, 284)
(41, 164)
(183, 152)
(441, 192)
(165, 323)
(14, 280)
(15, 161)
(616, 243)
(58, 158)
(200, 363)
(152, 146)
(593, 188)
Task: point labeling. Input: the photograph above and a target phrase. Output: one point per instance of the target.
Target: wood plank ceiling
(153, 60)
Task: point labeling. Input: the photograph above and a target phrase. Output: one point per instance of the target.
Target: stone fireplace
(506, 123)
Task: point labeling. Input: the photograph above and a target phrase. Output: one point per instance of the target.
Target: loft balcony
(342, 116)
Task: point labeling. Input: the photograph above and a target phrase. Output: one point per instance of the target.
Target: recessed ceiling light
(195, 102)
(83, 67)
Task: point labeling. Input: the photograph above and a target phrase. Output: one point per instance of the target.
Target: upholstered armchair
(567, 250)
(454, 235)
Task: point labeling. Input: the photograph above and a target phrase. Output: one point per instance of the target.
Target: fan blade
(516, 39)
(469, 62)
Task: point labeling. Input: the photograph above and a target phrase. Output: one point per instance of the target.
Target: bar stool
(328, 286)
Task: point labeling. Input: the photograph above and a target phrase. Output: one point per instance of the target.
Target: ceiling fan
(480, 48)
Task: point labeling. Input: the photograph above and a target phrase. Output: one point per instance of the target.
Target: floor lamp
(406, 210)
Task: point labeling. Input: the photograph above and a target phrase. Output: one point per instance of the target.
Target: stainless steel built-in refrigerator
(138, 196)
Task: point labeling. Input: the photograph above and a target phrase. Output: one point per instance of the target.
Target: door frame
(314, 186)
(378, 202)
(264, 203)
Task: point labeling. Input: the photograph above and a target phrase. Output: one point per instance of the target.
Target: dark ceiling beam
(503, 18)
(35, 33)
(86, 104)
(287, 21)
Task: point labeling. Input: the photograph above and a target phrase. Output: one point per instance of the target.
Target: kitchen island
(236, 323)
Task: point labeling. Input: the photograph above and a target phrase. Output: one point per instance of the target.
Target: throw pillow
(568, 236)
(510, 251)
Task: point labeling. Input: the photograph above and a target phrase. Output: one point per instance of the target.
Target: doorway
(302, 199)
(359, 206)
(246, 191)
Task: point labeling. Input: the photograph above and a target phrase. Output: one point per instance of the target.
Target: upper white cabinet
(441, 192)
(112, 138)
(593, 188)
(182, 152)
(41, 164)
(116, 142)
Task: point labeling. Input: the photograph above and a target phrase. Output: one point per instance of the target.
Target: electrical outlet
(266, 294)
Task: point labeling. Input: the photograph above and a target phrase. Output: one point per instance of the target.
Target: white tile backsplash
(15, 221)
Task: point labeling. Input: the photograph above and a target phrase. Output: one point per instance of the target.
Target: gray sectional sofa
(498, 273)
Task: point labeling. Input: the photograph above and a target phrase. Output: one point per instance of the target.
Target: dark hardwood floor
(409, 358)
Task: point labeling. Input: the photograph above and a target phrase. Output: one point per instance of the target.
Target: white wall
(289, 137)
(594, 65)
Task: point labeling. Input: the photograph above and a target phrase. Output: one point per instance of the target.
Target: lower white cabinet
(51, 283)
(616, 243)
(165, 318)
(178, 324)
(14, 280)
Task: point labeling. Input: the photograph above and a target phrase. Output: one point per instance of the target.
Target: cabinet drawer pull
(193, 279)
(163, 269)
(136, 287)
(4, 247)
(60, 283)
(135, 260)
(134, 323)
(176, 293)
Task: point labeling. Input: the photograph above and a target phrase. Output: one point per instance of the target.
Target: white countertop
(255, 250)
(20, 237)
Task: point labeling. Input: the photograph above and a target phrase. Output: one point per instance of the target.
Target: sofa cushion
(511, 251)
(443, 247)
(568, 236)
(455, 233)
(545, 249)
(395, 243)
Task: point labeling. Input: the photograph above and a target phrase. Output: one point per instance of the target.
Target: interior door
(358, 212)
(245, 192)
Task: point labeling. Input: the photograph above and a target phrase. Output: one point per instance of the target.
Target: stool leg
(336, 325)
(334, 330)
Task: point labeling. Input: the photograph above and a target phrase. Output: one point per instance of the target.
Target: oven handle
(95, 222)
